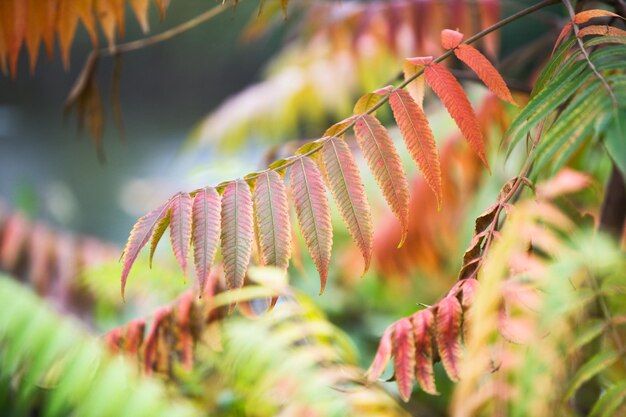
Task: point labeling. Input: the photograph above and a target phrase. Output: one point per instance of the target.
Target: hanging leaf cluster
(49, 260)
(29, 23)
(256, 206)
(415, 342)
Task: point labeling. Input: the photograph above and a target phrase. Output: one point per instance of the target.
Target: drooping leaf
(139, 236)
(272, 218)
(418, 138)
(384, 162)
(313, 213)
(595, 365)
(454, 99)
(423, 322)
(158, 231)
(13, 16)
(180, 227)
(154, 338)
(404, 357)
(583, 17)
(35, 24)
(416, 88)
(205, 232)
(67, 22)
(347, 189)
(237, 231)
(485, 71)
(448, 335)
(383, 356)
(140, 8)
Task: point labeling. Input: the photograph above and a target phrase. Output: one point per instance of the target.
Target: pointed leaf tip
(205, 232)
(237, 232)
(348, 191)
(180, 227)
(313, 213)
(450, 39)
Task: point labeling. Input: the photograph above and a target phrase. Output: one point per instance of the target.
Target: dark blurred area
(52, 172)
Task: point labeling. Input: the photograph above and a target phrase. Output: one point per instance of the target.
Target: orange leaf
(13, 27)
(383, 356)
(84, 8)
(454, 99)
(237, 232)
(205, 232)
(418, 138)
(485, 71)
(386, 165)
(140, 8)
(313, 213)
(347, 189)
(585, 16)
(404, 357)
(272, 218)
(338, 127)
(450, 38)
(448, 335)
(422, 329)
(603, 30)
(66, 28)
(162, 5)
(139, 236)
(180, 228)
(107, 16)
(35, 23)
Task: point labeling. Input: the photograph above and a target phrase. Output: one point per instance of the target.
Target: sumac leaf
(454, 99)
(383, 356)
(139, 236)
(418, 137)
(237, 232)
(404, 357)
(423, 322)
(272, 219)
(158, 231)
(180, 227)
(313, 213)
(205, 232)
(448, 335)
(347, 189)
(386, 165)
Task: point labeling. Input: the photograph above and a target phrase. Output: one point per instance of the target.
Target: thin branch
(385, 98)
(572, 14)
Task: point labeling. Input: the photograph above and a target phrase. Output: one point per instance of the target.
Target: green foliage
(51, 365)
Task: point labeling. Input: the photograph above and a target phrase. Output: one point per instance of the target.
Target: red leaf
(383, 356)
(237, 232)
(13, 26)
(485, 71)
(180, 228)
(134, 336)
(185, 337)
(151, 349)
(422, 329)
(453, 97)
(139, 236)
(313, 213)
(469, 288)
(386, 165)
(404, 357)
(450, 38)
(205, 232)
(418, 138)
(448, 335)
(272, 217)
(347, 189)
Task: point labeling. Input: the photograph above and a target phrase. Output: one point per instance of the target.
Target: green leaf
(608, 403)
(615, 141)
(594, 366)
